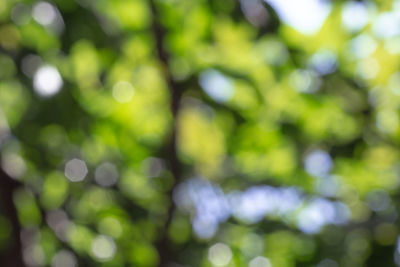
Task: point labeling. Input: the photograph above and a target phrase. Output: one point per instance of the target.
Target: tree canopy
(199, 133)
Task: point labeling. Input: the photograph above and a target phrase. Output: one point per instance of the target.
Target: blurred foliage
(200, 133)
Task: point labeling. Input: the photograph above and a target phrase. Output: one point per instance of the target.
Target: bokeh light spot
(297, 13)
(103, 248)
(216, 85)
(123, 92)
(318, 163)
(47, 81)
(64, 258)
(354, 16)
(44, 13)
(76, 170)
(220, 254)
(305, 81)
(14, 165)
(106, 174)
(260, 262)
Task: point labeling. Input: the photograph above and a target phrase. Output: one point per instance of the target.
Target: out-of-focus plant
(199, 133)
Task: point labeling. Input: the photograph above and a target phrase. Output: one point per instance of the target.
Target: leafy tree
(199, 133)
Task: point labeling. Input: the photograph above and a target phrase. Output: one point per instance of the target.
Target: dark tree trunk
(174, 165)
(11, 256)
